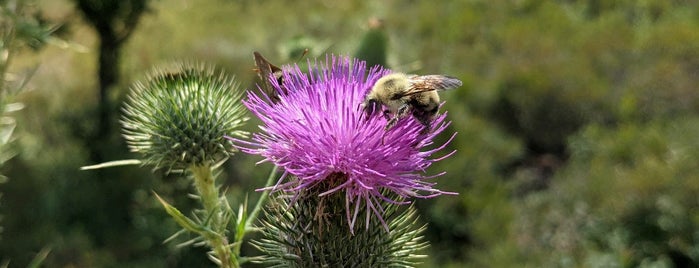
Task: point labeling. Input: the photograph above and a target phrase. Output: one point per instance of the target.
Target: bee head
(370, 106)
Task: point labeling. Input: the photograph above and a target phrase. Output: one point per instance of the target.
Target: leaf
(113, 164)
(181, 219)
(39, 258)
(174, 236)
(241, 222)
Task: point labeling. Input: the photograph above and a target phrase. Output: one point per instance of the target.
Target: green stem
(205, 184)
(261, 201)
(255, 211)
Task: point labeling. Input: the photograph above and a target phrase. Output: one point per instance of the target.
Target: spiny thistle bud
(178, 117)
(373, 46)
(311, 232)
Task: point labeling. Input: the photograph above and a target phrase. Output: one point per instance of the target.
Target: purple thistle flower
(319, 134)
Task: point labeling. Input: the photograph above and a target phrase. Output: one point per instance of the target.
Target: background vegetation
(577, 143)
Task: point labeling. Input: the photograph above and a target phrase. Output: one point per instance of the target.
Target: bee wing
(264, 70)
(424, 83)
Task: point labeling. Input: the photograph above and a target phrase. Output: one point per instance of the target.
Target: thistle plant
(176, 120)
(338, 202)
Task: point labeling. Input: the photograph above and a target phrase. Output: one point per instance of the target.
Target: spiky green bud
(313, 232)
(178, 117)
(374, 44)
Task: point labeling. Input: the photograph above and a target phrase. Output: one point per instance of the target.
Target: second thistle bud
(178, 117)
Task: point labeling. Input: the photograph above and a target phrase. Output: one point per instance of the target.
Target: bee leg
(386, 114)
(402, 112)
(428, 126)
(391, 122)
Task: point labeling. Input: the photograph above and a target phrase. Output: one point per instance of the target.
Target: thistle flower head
(319, 134)
(179, 116)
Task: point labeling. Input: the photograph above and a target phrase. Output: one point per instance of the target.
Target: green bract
(312, 231)
(179, 116)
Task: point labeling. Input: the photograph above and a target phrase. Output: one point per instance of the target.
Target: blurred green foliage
(577, 128)
(21, 26)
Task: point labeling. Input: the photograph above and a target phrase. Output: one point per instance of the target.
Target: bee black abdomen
(424, 117)
(424, 113)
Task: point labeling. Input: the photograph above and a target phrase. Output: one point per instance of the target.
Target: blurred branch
(114, 21)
